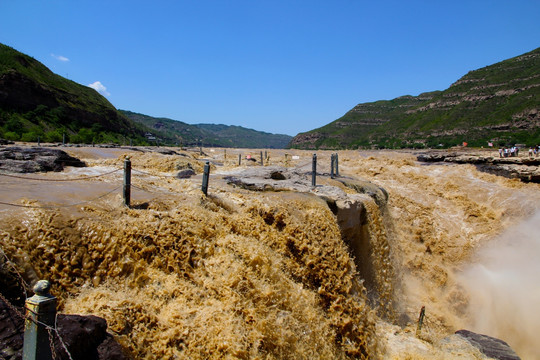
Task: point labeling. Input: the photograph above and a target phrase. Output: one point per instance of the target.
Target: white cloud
(98, 86)
(60, 58)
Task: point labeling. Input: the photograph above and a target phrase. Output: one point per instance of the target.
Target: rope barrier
(74, 179)
(60, 206)
(147, 173)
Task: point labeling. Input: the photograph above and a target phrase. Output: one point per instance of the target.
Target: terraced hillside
(499, 103)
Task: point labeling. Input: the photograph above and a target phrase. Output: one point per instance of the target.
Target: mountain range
(37, 104)
(497, 104)
(181, 133)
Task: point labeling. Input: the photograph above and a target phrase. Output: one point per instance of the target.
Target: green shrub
(53, 136)
(11, 135)
(29, 137)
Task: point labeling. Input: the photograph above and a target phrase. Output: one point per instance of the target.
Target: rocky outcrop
(31, 160)
(524, 168)
(5, 142)
(306, 140)
(353, 210)
(489, 346)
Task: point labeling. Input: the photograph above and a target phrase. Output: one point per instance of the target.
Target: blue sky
(276, 66)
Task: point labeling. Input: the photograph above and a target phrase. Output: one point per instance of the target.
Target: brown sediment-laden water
(269, 274)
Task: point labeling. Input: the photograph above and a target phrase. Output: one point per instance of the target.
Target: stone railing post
(40, 313)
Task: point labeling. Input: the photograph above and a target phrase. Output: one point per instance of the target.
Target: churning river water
(244, 274)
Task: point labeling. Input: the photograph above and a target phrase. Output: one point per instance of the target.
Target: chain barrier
(49, 328)
(12, 307)
(12, 264)
(60, 338)
(51, 343)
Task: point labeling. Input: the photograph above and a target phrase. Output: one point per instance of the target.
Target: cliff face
(36, 102)
(498, 103)
(21, 94)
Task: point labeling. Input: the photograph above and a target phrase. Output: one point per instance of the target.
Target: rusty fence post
(40, 319)
(206, 175)
(239, 159)
(127, 181)
(332, 161)
(314, 171)
(420, 320)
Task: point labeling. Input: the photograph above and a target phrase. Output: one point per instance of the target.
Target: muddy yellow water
(251, 275)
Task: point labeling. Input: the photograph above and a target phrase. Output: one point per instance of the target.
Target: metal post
(265, 154)
(332, 160)
(337, 164)
(262, 160)
(127, 181)
(314, 171)
(239, 159)
(63, 139)
(206, 175)
(420, 320)
(40, 313)
(225, 154)
(38, 142)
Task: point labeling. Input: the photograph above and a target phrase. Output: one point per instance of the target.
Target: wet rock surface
(31, 160)
(489, 346)
(276, 178)
(524, 168)
(5, 142)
